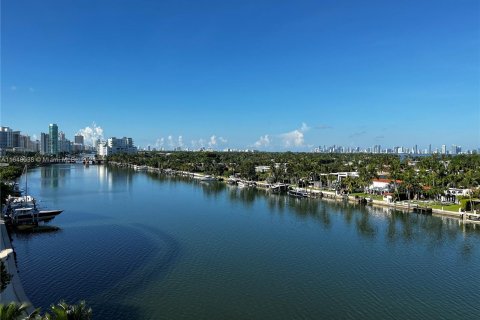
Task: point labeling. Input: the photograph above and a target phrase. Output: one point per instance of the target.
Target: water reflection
(212, 189)
(114, 178)
(171, 259)
(54, 176)
(369, 222)
(246, 196)
(30, 234)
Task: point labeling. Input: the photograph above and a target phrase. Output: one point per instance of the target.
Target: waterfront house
(381, 186)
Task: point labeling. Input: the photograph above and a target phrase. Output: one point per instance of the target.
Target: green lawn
(452, 207)
(366, 195)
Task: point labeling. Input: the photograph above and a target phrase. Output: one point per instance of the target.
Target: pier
(14, 291)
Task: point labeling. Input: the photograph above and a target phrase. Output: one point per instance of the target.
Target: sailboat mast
(25, 169)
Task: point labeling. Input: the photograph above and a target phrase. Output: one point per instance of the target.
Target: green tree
(64, 311)
(17, 311)
(5, 277)
(60, 311)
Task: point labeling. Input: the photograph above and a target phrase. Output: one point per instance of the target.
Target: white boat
(24, 200)
(22, 211)
(207, 178)
(29, 217)
(278, 187)
(297, 192)
(246, 184)
(232, 180)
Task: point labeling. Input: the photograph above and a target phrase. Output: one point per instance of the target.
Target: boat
(246, 184)
(27, 217)
(298, 193)
(232, 180)
(14, 186)
(22, 212)
(19, 201)
(207, 178)
(278, 187)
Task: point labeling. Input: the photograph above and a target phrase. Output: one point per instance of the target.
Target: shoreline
(14, 291)
(320, 194)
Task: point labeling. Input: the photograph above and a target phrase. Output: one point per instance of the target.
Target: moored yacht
(29, 217)
(297, 192)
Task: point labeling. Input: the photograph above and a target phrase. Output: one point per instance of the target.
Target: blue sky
(274, 75)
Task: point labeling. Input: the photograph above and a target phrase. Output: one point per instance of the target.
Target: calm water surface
(139, 246)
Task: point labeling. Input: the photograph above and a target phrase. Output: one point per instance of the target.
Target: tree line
(429, 175)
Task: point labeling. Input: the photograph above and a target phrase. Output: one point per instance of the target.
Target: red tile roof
(386, 180)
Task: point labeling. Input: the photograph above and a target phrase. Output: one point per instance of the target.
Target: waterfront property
(143, 245)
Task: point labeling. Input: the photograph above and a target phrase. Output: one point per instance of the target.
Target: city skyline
(269, 76)
(90, 138)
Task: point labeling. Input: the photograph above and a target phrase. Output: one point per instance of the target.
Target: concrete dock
(14, 291)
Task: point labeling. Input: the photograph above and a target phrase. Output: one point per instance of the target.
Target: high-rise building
(53, 139)
(6, 138)
(429, 149)
(44, 139)
(114, 145)
(16, 139)
(79, 139)
(444, 149)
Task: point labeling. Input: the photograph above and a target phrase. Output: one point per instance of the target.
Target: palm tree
(64, 311)
(17, 311)
(60, 311)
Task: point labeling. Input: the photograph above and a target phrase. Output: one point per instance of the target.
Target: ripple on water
(100, 264)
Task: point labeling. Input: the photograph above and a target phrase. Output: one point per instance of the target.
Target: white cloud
(160, 142)
(213, 141)
(293, 139)
(171, 144)
(222, 140)
(91, 134)
(264, 141)
(180, 141)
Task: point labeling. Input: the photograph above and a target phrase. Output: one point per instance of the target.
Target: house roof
(386, 180)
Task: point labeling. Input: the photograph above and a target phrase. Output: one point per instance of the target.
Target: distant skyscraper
(444, 149)
(453, 150)
(6, 138)
(16, 139)
(79, 139)
(429, 149)
(44, 149)
(53, 139)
